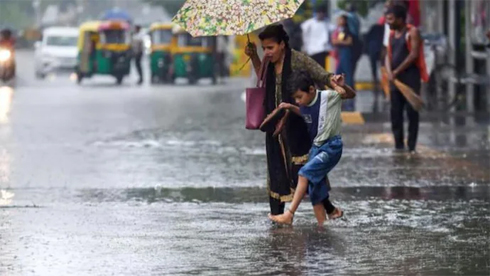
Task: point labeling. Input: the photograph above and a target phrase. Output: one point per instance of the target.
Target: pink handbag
(255, 97)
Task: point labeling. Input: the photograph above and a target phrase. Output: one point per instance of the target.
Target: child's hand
(280, 126)
(339, 79)
(285, 106)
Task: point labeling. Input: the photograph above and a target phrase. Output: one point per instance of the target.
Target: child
(321, 111)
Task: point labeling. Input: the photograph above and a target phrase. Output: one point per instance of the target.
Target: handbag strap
(263, 72)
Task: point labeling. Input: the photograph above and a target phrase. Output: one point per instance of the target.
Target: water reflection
(6, 196)
(257, 194)
(5, 103)
(298, 251)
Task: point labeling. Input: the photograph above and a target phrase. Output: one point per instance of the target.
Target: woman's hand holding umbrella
(251, 50)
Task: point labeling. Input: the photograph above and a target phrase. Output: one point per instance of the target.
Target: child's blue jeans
(320, 162)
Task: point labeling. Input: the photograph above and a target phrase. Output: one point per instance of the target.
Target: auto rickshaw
(194, 57)
(104, 48)
(162, 43)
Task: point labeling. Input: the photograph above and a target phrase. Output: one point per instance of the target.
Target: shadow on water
(257, 194)
(292, 251)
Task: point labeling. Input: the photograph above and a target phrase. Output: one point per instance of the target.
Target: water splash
(6, 197)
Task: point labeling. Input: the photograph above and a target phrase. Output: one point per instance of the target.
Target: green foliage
(13, 14)
(362, 5)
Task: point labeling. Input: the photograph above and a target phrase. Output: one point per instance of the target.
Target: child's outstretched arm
(291, 107)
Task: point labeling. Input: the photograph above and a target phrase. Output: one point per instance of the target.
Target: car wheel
(79, 78)
(119, 79)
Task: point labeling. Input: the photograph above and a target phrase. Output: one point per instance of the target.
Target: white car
(57, 50)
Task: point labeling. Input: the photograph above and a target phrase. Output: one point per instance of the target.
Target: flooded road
(102, 179)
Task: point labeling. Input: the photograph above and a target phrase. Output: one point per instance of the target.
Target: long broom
(385, 84)
(413, 98)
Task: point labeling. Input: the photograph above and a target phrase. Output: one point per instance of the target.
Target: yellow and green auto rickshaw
(193, 57)
(104, 47)
(162, 43)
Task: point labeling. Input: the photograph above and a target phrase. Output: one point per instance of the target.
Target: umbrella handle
(249, 43)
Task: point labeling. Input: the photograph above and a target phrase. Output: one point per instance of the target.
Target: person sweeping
(404, 63)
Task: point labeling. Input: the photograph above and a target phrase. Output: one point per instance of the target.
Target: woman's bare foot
(286, 218)
(337, 213)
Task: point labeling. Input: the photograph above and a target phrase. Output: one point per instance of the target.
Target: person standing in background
(342, 40)
(386, 35)
(354, 21)
(404, 62)
(221, 54)
(316, 36)
(389, 4)
(137, 48)
(354, 24)
(373, 47)
(294, 31)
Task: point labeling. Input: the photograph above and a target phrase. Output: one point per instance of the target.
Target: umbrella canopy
(116, 14)
(232, 17)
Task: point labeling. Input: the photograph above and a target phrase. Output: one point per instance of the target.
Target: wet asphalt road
(102, 179)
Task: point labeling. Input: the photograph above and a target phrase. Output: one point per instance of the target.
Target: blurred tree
(172, 6)
(361, 5)
(15, 14)
(65, 4)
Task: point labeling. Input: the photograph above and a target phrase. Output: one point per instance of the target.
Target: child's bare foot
(286, 218)
(337, 213)
(320, 214)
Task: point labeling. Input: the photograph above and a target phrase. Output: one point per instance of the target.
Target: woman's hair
(300, 80)
(345, 17)
(346, 26)
(275, 32)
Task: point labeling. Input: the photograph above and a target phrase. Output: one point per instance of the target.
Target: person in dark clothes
(295, 34)
(343, 41)
(403, 63)
(488, 36)
(138, 49)
(373, 48)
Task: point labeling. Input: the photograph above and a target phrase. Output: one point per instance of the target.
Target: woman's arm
(388, 67)
(317, 73)
(256, 63)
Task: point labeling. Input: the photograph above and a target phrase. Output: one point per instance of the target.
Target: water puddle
(258, 194)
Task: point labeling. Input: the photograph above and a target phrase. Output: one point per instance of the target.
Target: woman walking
(288, 151)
